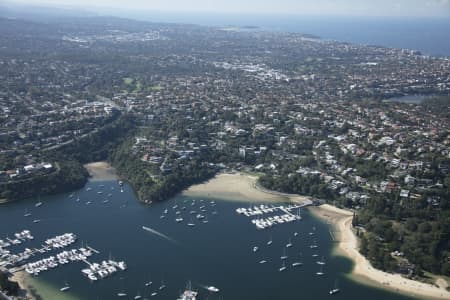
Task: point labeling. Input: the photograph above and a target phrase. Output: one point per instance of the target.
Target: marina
(159, 260)
(263, 223)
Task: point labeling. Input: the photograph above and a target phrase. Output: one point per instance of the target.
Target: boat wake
(159, 234)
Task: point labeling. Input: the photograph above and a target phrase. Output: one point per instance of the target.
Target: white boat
(335, 290)
(65, 288)
(162, 286)
(262, 261)
(153, 294)
(283, 267)
(322, 261)
(36, 221)
(284, 256)
(38, 204)
(314, 245)
(289, 244)
(148, 283)
(255, 248)
(27, 214)
(188, 294)
(191, 223)
(137, 297)
(121, 294)
(270, 242)
(213, 289)
(320, 273)
(298, 263)
(179, 220)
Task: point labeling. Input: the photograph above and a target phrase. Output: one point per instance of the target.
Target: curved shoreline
(244, 188)
(26, 290)
(98, 171)
(101, 171)
(363, 271)
(239, 187)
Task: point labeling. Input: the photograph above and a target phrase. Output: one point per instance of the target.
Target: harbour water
(218, 253)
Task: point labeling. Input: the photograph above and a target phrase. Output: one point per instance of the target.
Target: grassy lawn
(128, 80)
(156, 88)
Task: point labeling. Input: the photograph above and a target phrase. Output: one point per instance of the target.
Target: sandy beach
(238, 187)
(363, 271)
(20, 278)
(101, 171)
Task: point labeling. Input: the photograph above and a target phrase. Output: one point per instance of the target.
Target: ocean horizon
(431, 36)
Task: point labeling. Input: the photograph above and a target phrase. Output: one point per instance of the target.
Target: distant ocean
(429, 35)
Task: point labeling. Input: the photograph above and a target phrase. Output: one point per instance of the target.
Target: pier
(92, 249)
(333, 237)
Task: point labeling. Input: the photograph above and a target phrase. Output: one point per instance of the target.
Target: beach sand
(363, 271)
(101, 171)
(20, 278)
(238, 187)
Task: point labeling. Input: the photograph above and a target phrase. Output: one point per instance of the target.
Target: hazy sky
(300, 7)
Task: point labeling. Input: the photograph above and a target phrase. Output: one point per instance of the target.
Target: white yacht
(322, 261)
(320, 273)
(289, 244)
(213, 289)
(65, 288)
(335, 290)
(283, 267)
(188, 294)
(284, 256)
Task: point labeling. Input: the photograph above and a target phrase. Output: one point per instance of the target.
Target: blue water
(218, 253)
(429, 35)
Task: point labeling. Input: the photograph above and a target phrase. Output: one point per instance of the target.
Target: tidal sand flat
(238, 187)
(100, 171)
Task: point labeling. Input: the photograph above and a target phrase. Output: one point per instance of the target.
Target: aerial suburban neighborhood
(361, 127)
